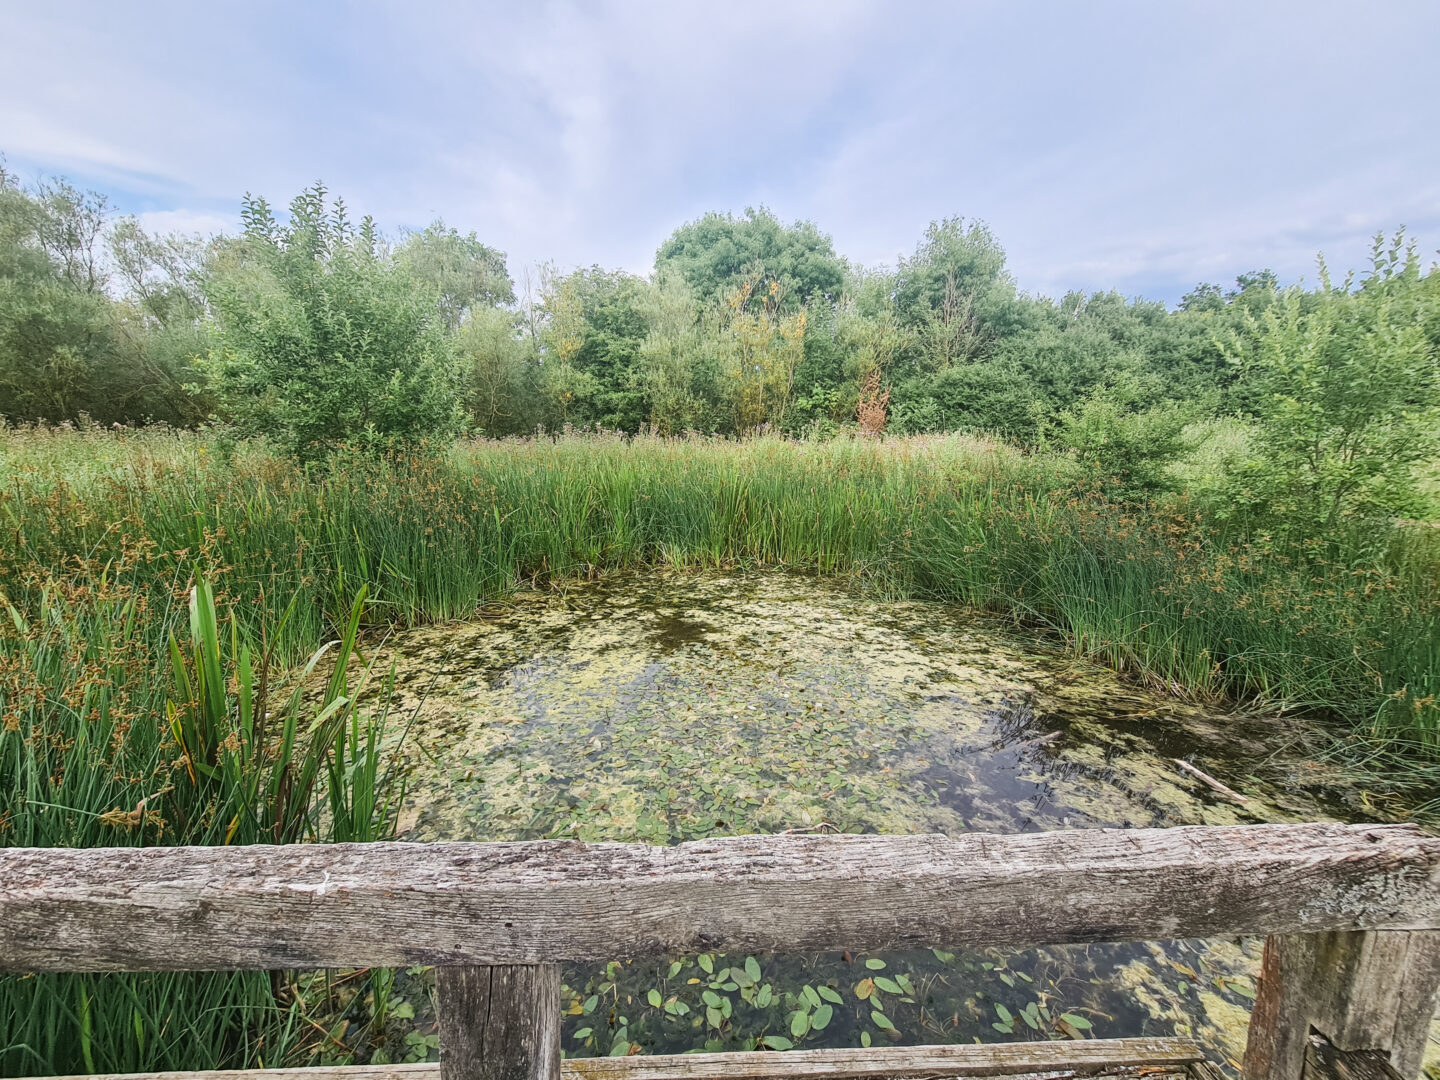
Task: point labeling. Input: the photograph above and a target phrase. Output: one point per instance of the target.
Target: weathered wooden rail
(1351, 916)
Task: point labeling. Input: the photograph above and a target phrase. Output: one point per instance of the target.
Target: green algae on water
(666, 707)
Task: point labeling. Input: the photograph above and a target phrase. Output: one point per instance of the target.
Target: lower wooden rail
(1098, 1058)
(1351, 916)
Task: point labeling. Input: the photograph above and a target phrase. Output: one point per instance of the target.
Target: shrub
(321, 338)
(1347, 384)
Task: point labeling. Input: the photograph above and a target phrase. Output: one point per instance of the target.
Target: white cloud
(32, 136)
(187, 222)
(1123, 143)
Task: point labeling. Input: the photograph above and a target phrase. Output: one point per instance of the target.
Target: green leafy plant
(1346, 381)
(265, 788)
(322, 338)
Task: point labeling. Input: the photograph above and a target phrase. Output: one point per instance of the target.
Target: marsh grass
(1345, 623)
(98, 748)
(106, 533)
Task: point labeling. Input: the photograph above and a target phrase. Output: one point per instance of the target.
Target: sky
(1143, 146)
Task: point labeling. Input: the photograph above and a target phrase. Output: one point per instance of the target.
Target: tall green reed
(1162, 591)
(84, 762)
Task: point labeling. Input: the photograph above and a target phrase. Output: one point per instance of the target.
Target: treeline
(315, 330)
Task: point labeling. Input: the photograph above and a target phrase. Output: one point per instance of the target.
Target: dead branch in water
(1229, 793)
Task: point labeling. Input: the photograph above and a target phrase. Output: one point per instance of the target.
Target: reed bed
(1161, 591)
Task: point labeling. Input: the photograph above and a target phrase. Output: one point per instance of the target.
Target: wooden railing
(1351, 916)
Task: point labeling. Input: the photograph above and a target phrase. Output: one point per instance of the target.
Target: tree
(869, 331)
(498, 372)
(988, 397)
(612, 311)
(959, 265)
(162, 325)
(1347, 387)
(671, 364)
(463, 273)
(67, 347)
(563, 386)
(1060, 366)
(760, 348)
(54, 327)
(322, 339)
(719, 253)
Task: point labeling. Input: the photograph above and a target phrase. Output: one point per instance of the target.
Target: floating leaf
(874, 964)
(584, 1033)
(799, 1023)
(864, 988)
(590, 1003)
(711, 998)
(1076, 1021)
(707, 964)
(821, 1017)
(764, 997)
(1003, 1013)
(890, 986)
(714, 1017)
(776, 1042)
(654, 998)
(752, 968)
(621, 1048)
(809, 994)
(864, 1038)
(830, 994)
(882, 1021)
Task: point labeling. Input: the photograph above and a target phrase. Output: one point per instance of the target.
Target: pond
(667, 707)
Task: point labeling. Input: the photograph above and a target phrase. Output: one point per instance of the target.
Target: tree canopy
(718, 252)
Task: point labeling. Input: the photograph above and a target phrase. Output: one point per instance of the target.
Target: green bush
(322, 338)
(1346, 384)
(1127, 446)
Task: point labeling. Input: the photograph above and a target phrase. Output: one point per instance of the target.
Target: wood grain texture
(1205, 1070)
(1363, 991)
(1324, 1062)
(499, 1023)
(1095, 1058)
(355, 905)
(992, 1059)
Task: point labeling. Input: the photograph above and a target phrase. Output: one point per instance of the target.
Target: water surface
(661, 708)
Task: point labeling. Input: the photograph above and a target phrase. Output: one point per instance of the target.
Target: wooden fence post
(1362, 990)
(499, 1023)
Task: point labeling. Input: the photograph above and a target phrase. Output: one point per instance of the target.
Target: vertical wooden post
(1373, 990)
(499, 1023)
